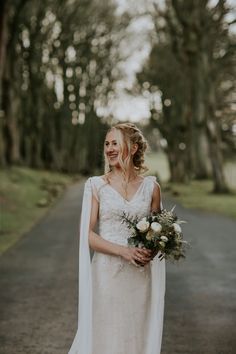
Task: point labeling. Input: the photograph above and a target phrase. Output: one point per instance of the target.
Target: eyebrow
(106, 141)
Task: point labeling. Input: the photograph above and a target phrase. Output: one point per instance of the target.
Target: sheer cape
(82, 343)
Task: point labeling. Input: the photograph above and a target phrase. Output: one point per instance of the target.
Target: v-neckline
(121, 196)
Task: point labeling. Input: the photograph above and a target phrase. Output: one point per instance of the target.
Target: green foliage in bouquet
(159, 232)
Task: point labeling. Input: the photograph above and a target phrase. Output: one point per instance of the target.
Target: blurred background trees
(60, 66)
(192, 63)
(56, 71)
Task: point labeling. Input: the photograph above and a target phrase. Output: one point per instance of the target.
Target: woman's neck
(130, 174)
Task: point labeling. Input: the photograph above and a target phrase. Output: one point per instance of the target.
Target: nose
(110, 148)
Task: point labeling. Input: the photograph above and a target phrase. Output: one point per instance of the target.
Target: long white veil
(82, 343)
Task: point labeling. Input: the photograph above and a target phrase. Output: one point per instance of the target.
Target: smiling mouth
(112, 156)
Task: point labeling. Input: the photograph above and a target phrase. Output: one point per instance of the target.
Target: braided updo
(127, 135)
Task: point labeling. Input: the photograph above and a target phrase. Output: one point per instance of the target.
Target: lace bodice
(112, 205)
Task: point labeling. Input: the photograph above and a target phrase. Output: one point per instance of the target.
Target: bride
(121, 291)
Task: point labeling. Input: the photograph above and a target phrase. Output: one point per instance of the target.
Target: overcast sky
(136, 47)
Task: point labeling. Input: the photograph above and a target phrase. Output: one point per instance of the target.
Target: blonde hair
(127, 134)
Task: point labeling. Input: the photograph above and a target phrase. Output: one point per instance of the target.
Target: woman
(121, 292)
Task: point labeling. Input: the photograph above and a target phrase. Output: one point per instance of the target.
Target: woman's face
(112, 148)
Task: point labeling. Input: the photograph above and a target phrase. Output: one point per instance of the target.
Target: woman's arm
(97, 243)
(156, 206)
(156, 198)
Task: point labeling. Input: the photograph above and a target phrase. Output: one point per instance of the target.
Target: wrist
(120, 250)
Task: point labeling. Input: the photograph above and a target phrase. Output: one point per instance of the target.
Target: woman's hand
(136, 256)
(152, 255)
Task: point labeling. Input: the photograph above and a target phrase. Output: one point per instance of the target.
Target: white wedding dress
(121, 306)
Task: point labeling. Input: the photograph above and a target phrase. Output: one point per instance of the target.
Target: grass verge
(25, 196)
(197, 194)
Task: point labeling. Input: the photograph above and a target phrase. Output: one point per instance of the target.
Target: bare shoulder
(155, 182)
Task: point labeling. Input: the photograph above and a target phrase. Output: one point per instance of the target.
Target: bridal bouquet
(158, 232)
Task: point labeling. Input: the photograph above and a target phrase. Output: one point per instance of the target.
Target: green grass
(230, 173)
(25, 196)
(158, 165)
(196, 194)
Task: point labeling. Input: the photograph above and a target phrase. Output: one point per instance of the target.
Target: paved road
(38, 286)
(200, 315)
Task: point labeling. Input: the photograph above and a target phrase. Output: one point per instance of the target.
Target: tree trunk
(3, 44)
(3, 38)
(11, 108)
(174, 128)
(214, 134)
(200, 149)
(177, 167)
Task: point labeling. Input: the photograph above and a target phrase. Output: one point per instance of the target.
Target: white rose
(176, 227)
(161, 243)
(156, 227)
(164, 238)
(143, 225)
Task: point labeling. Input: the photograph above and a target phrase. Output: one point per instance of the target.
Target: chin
(114, 163)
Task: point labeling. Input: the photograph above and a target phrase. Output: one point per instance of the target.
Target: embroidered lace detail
(111, 206)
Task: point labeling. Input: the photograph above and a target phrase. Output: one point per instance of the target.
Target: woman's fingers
(144, 252)
(144, 255)
(134, 263)
(139, 257)
(144, 260)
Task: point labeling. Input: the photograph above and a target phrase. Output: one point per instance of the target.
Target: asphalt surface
(39, 278)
